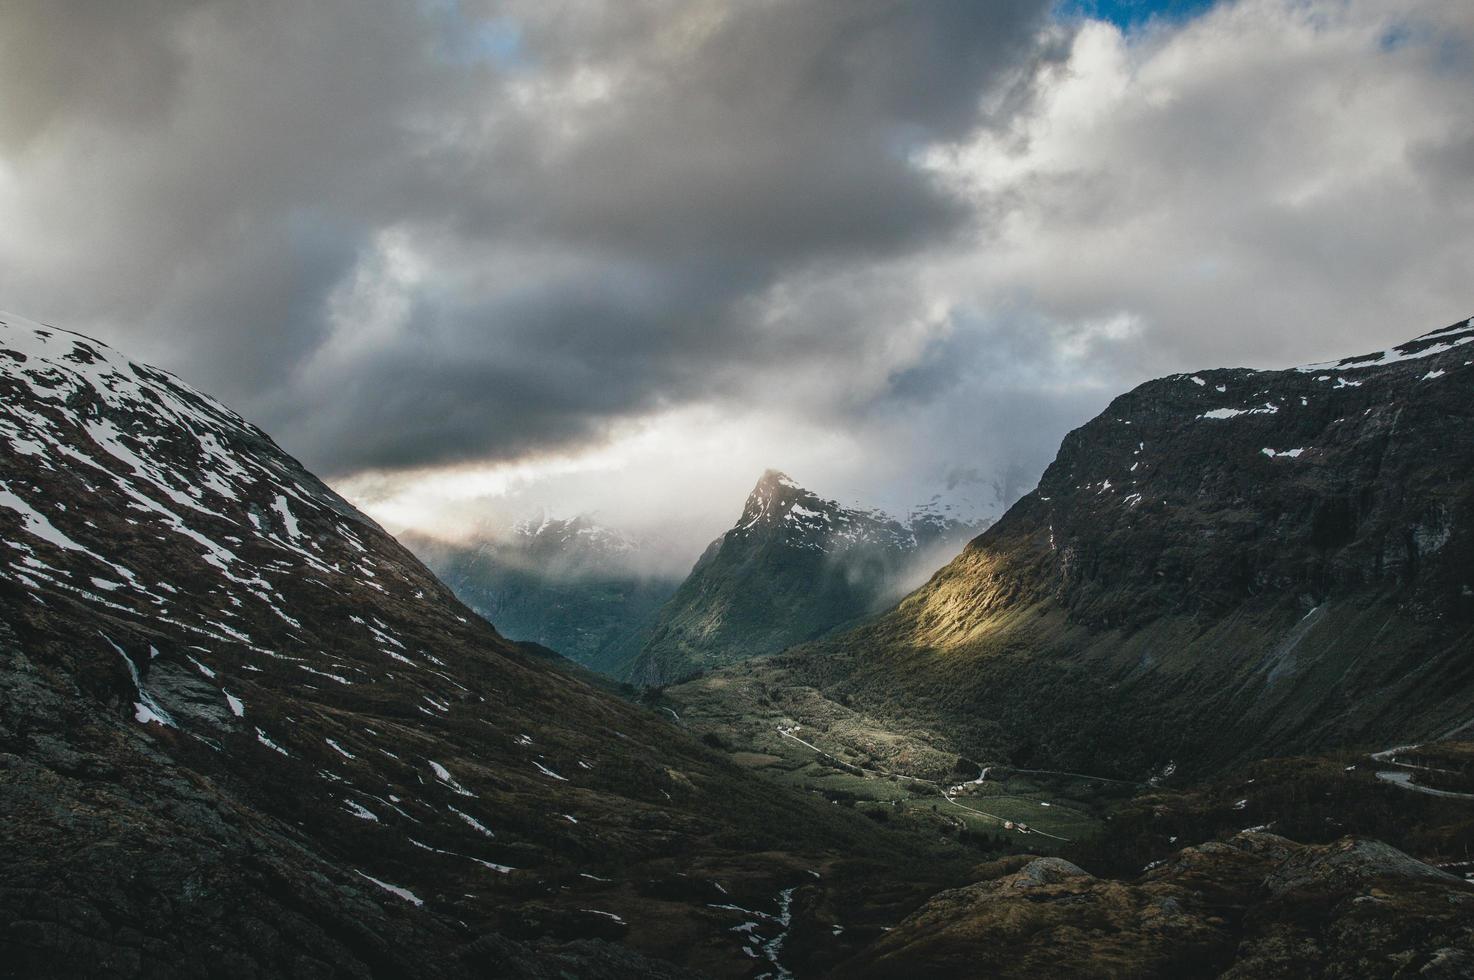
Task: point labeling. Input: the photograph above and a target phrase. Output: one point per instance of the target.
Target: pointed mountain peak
(773, 480)
(774, 496)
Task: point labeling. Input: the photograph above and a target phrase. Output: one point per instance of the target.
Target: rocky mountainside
(1287, 868)
(794, 567)
(244, 733)
(1255, 905)
(1221, 565)
(566, 584)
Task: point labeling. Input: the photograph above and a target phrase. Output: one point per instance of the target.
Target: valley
(897, 777)
(1159, 878)
(240, 693)
(1171, 594)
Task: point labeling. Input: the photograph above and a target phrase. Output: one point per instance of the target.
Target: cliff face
(1220, 564)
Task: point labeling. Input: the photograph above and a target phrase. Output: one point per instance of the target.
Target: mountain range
(794, 567)
(567, 584)
(1139, 726)
(1222, 567)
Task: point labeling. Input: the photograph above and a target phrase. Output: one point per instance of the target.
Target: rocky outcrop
(1256, 905)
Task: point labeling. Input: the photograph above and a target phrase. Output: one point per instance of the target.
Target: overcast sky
(465, 258)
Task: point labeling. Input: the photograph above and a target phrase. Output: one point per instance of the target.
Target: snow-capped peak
(778, 504)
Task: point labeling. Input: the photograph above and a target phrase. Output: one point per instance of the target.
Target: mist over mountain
(794, 567)
(572, 585)
(1239, 602)
(600, 596)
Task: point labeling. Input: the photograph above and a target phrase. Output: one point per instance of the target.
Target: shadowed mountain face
(243, 732)
(794, 567)
(566, 584)
(1220, 565)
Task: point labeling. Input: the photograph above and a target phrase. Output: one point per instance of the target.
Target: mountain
(794, 567)
(243, 733)
(1222, 565)
(566, 584)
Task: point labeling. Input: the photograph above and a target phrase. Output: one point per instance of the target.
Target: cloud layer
(414, 235)
(625, 254)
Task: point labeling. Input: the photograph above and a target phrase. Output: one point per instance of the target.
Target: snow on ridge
(265, 740)
(548, 772)
(800, 511)
(289, 520)
(37, 525)
(115, 377)
(582, 530)
(1439, 341)
(168, 459)
(54, 364)
(824, 524)
(1451, 328)
(475, 824)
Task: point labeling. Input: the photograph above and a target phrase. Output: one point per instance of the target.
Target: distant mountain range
(794, 567)
(1221, 565)
(568, 584)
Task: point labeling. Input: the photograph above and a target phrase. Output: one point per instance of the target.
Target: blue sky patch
(1131, 14)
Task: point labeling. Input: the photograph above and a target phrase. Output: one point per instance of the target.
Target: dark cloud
(786, 130)
(116, 63)
(605, 193)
